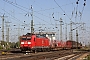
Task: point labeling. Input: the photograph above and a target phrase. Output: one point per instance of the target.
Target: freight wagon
(73, 44)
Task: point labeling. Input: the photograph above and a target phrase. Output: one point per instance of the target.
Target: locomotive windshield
(23, 38)
(26, 38)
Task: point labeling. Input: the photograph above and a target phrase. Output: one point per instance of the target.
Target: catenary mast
(32, 28)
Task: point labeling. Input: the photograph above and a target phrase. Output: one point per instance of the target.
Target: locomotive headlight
(29, 42)
(22, 42)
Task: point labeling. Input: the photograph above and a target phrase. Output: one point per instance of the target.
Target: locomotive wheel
(34, 51)
(44, 50)
(48, 50)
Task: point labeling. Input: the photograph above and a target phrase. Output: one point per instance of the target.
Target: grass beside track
(87, 57)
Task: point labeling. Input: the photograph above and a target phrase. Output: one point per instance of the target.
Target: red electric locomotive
(34, 43)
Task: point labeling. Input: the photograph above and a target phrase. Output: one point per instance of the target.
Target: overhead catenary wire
(12, 16)
(17, 6)
(49, 9)
(14, 5)
(62, 9)
(77, 2)
(82, 9)
(41, 19)
(53, 7)
(20, 5)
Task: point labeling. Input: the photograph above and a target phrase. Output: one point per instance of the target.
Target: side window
(34, 39)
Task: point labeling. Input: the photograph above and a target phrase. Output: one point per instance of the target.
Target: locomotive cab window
(23, 38)
(28, 38)
(34, 39)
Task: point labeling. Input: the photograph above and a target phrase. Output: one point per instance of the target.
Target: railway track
(53, 55)
(40, 55)
(70, 57)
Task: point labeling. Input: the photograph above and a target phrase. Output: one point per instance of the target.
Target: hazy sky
(46, 14)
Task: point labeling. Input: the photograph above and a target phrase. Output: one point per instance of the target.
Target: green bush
(1, 47)
(87, 57)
